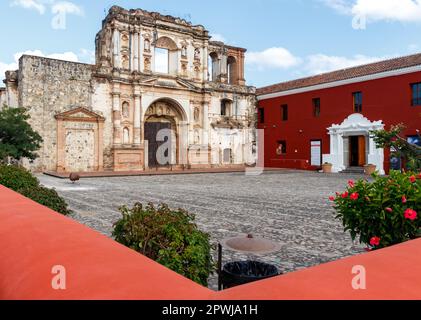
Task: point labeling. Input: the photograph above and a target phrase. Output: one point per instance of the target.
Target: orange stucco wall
(33, 239)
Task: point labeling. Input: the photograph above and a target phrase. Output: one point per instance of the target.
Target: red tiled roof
(345, 74)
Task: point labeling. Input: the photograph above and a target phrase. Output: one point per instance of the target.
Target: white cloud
(87, 56)
(414, 47)
(6, 67)
(38, 5)
(341, 6)
(67, 8)
(320, 63)
(62, 7)
(277, 57)
(281, 58)
(377, 10)
(218, 37)
(67, 56)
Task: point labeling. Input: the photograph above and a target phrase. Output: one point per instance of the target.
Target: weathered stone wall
(124, 84)
(2, 97)
(101, 103)
(48, 87)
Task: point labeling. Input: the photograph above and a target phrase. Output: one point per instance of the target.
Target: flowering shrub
(381, 213)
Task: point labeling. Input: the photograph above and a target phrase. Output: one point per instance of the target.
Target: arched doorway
(164, 134)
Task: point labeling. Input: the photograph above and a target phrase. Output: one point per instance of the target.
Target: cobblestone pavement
(290, 207)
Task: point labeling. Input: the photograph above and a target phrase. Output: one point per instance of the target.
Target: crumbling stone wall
(2, 97)
(48, 87)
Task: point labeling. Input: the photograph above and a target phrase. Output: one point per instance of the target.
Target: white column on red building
(341, 159)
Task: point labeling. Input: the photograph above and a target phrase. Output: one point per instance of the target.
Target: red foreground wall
(33, 239)
(387, 99)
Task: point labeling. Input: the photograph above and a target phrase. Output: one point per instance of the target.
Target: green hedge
(16, 178)
(169, 237)
(47, 197)
(22, 181)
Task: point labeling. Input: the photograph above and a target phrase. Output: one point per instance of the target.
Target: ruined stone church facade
(161, 93)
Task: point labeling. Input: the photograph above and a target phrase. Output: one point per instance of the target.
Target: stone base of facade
(129, 158)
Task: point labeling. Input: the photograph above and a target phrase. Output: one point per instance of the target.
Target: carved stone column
(137, 116)
(116, 114)
(116, 48)
(136, 52)
(205, 138)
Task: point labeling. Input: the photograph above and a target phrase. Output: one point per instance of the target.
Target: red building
(328, 117)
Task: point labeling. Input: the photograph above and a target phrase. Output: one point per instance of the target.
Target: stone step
(357, 170)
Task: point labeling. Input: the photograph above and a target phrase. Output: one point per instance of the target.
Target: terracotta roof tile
(344, 74)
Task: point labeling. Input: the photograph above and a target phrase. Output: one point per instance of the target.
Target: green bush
(167, 236)
(47, 197)
(16, 178)
(384, 212)
(22, 181)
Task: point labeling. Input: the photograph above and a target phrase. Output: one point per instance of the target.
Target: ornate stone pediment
(356, 122)
(80, 114)
(172, 83)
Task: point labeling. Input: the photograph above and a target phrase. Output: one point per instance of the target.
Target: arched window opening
(161, 60)
(232, 70)
(226, 108)
(166, 56)
(213, 66)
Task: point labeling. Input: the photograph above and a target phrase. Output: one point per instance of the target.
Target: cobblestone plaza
(289, 207)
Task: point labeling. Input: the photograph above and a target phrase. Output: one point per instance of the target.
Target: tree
(399, 145)
(17, 138)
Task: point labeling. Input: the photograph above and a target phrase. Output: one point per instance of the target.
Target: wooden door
(151, 132)
(361, 151)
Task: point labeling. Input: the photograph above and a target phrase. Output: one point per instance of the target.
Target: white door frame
(356, 124)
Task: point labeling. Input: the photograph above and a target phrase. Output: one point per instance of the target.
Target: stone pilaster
(137, 116)
(136, 52)
(116, 114)
(116, 49)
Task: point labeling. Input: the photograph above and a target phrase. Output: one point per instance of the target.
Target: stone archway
(355, 126)
(165, 134)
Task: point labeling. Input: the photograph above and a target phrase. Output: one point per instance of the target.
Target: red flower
(345, 195)
(351, 183)
(413, 179)
(404, 200)
(419, 176)
(375, 241)
(354, 196)
(411, 214)
(332, 198)
(389, 210)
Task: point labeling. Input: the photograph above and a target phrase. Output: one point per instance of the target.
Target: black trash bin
(242, 272)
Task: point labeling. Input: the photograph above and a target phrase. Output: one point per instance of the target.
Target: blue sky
(285, 39)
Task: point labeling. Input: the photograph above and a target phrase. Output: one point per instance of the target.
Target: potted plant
(369, 169)
(327, 167)
(381, 213)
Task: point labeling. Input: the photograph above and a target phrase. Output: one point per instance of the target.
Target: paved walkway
(290, 207)
(155, 172)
